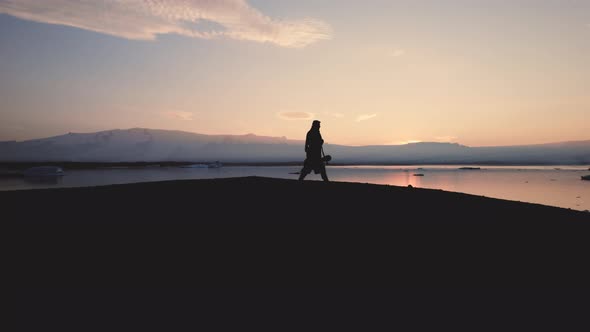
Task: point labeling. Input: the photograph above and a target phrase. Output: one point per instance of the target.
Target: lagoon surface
(549, 185)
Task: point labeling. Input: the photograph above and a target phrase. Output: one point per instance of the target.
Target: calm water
(537, 184)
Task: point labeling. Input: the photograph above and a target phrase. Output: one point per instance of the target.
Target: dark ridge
(262, 232)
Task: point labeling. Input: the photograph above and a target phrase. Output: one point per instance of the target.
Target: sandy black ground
(260, 233)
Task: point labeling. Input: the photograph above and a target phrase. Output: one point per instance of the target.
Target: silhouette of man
(313, 149)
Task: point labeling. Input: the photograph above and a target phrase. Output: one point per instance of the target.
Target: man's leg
(324, 174)
(304, 171)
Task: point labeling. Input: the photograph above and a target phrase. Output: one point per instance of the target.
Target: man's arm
(307, 142)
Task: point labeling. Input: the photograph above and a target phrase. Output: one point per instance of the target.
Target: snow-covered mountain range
(139, 144)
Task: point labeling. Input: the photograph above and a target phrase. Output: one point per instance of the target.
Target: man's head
(315, 124)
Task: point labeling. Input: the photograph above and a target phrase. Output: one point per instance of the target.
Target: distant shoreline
(144, 164)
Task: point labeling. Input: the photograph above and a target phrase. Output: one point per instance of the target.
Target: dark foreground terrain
(212, 254)
(260, 232)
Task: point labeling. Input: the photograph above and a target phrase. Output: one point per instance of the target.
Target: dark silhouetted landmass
(282, 233)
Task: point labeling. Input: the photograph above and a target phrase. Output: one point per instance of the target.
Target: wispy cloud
(396, 53)
(146, 19)
(180, 115)
(337, 115)
(445, 138)
(295, 115)
(364, 117)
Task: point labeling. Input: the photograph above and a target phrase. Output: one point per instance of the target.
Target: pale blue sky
(375, 72)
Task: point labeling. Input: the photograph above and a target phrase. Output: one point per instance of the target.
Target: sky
(477, 72)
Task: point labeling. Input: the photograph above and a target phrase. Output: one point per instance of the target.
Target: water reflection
(529, 184)
(43, 180)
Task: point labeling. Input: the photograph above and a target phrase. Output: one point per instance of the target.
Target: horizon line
(290, 139)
